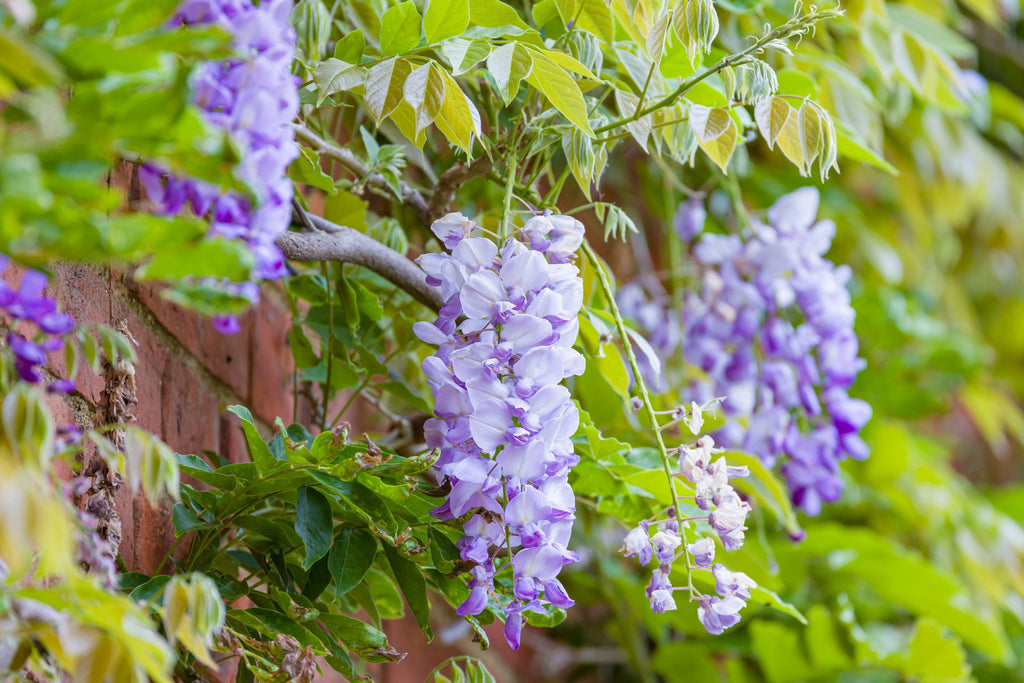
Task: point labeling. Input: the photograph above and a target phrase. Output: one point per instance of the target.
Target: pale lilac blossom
(254, 97)
(503, 422)
(770, 327)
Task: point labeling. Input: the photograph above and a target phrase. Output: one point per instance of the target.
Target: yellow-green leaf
(771, 116)
(509, 65)
(444, 19)
(596, 17)
(384, 87)
(560, 89)
(464, 53)
(566, 10)
(708, 123)
(400, 29)
(809, 120)
(333, 75)
(424, 91)
(490, 13)
(716, 133)
(788, 141)
(458, 119)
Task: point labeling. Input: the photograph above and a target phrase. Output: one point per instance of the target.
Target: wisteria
(254, 97)
(503, 421)
(28, 304)
(664, 538)
(24, 305)
(771, 329)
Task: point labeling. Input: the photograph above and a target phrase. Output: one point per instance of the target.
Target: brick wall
(186, 375)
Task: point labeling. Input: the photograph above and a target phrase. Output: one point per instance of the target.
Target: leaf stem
(640, 386)
(507, 204)
(791, 27)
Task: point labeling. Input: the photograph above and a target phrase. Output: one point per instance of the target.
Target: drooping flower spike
(28, 303)
(726, 518)
(503, 421)
(771, 329)
(255, 98)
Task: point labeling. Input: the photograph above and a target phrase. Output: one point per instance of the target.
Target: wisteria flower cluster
(254, 97)
(504, 422)
(29, 304)
(664, 540)
(771, 329)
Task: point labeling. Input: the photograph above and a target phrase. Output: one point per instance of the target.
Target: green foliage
(913, 576)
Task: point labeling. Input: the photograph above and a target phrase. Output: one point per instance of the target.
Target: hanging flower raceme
(255, 98)
(771, 329)
(28, 304)
(666, 538)
(504, 422)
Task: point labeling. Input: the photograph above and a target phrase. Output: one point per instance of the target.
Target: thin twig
(406, 194)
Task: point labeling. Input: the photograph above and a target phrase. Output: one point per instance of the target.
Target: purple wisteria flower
(254, 97)
(29, 303)
(726, 517)
(771, 329)
(504, 422)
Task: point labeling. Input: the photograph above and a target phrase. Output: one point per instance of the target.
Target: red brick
(83, 291)
(152, 534)
(271, 376)
(190, 410)
(226, 356)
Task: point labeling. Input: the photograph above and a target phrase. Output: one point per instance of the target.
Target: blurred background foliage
(916, 574)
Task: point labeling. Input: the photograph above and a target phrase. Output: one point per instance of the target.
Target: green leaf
(770, 598)
(218, 256)
(400, 29)
(716, 133)
(309, 287)
(464, 54)
(346, 209)
(617, 223)
(566, 10)
(596, 17)
(444, 19)
(850, 147)
(369, 643)
(811, 138)
(333, 76)
(314, 524)
(259, 452)
(771, 115)
(494, 13)
(656, 38)
(413, 586)
(509, 65)
(305, 170)
(825, 642)
(779, 652)
(384, 86)
(560, 89)
(351, 556)
(269, 623)
(350, 48)
(765, 487)
(185, 520)
(567, 62)
(932, 655)
(424, 90)
(458, 120)
(903, 578)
